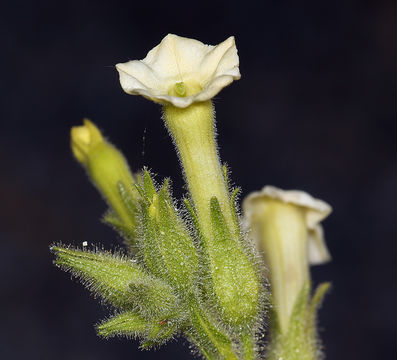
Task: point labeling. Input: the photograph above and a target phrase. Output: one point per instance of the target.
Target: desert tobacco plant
(191, 268)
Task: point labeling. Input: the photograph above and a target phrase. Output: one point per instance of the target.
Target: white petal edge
(217, 67)
(317, 249)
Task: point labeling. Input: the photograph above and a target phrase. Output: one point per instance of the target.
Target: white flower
(315, 211)
(181, 71)
(285, 225)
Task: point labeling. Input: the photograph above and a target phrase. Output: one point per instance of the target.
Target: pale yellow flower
(285, 225)
(314, 211)
(181, 71)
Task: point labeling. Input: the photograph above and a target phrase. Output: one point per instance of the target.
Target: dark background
(315, 110)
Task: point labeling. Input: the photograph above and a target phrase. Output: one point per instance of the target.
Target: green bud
(233, 275)
(128, 324)
(131, 324)
(168, 249)
(119, 281)
(108, 170)
(106, 275)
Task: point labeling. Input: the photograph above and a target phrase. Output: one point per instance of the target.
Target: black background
(315, 110)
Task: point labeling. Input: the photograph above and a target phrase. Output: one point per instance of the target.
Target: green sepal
(233, 194)
(106, 275)
(141, 193)
(129, 202)
(131, 324)
(234, 278)
(301, 332)
(318, 296)
(167, 247)
(225, 173)
(155, 299)
(125, 231)
(193, 216)
(220, 230)
(314, 305)
(209, 335)
(149, 247)
(233, 205)
(159, 332)
(148, 185)
(128, 324)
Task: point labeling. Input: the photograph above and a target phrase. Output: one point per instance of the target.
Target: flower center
(182, 89)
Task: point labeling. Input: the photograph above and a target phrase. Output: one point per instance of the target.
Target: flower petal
(178, 59)
(315, 211)
(317, 249)
(221, 60)
(176, 56)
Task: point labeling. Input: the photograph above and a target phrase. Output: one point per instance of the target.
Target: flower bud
(234, 279)
(107, 169)
(131, 324)
(167, 247)
(83, 139)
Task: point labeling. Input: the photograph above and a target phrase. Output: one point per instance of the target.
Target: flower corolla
(181, 71)
(315, 211)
